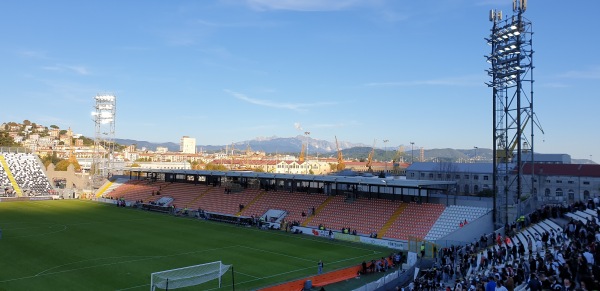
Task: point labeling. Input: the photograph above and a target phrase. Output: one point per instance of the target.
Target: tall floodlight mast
(104, 139)
(511, 71)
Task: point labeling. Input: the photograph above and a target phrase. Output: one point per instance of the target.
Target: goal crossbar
(188, 276)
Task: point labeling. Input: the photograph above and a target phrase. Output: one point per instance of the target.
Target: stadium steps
(256, 198)
(307, 221)
(11, 178)
(391, 220)
(195, 201)
(104, 188)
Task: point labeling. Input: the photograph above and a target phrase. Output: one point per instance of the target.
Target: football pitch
(83, 245)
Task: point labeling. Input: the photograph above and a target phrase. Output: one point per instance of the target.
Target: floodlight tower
(511, 71)
(104, 139)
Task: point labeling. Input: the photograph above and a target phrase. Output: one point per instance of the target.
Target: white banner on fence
(411, 260)
(398, 245)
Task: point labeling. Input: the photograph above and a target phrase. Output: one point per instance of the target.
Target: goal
(188, 276)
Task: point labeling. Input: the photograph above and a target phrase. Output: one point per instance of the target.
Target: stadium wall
(472, 231)
(73, 179)
(393, 244)
(448, 200)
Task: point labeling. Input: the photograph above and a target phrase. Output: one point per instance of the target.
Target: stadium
(432, 225)
(256, 231)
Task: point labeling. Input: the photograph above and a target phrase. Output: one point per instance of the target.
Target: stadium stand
(365, 215)
(28, 173)
(135, 190)
(453, 218)
(415, 221)
(294, 203)
(4, 181)
(541, 238)
(216, 200)
(533, 253)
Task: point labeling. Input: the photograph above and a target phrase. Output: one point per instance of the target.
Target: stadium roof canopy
(353, 180)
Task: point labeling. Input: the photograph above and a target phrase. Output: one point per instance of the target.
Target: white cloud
(33, 54)
(80, 70)
(282, 105)
(305, 5)
(593, 73)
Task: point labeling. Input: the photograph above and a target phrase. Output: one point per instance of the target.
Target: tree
(87, 141)
(64, 131)
(26, 122)
(215, 167)
(6, 140)
(51, 159)
(54, 126)
(64, 164)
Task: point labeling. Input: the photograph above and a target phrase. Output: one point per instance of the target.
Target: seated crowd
(565, 259)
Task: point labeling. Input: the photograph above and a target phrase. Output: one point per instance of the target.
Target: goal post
(188, 276)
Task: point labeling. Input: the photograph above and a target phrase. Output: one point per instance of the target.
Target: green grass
(80, 245)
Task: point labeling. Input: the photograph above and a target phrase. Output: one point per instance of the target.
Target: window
(586, 183)
(558, 181)
(586, 195)
(412, 175)
(547, 192)
(467, 177)
(430, 175)
(486, 177)
(570, 182)
(422, 175)
(559, 192)
(448, 176)
(457, 177)
(548, 181)
(476, 189)
(467, 189)
(439, 176)
(476, 177)
(571, 194)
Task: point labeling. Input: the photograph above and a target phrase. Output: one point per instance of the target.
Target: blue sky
(232, 70)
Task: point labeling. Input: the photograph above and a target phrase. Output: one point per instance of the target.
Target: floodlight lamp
(504, 36)
(516, 32)
(105, 114)
(513, 27)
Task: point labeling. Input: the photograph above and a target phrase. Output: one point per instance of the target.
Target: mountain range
(293, 145)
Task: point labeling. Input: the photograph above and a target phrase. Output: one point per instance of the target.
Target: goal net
(188, 276)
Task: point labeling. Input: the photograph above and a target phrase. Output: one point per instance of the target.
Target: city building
(187, 145)
(553, 181)
(470, 178)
